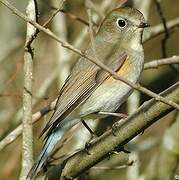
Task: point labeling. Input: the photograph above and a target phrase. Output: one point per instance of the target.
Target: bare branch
(135, 124)
(98, 63)
(159, 29)
(14, 134)
(164, 40)
(78, 43)
(27, 140)
(17, 132)
(162, 62)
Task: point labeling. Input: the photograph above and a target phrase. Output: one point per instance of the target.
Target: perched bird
(90, 92)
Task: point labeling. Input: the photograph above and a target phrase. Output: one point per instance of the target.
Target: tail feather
(44, 154)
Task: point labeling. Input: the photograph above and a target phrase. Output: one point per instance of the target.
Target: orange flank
(123, 70)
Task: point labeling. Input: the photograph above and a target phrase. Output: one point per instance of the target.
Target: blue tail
(44, 154)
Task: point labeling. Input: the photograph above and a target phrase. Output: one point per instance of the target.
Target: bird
(89, 92)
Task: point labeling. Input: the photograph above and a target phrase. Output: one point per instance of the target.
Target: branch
(161, 62)
(47, 82)
(164, 40)
(159, 29)
(78, 43)
(15, 133)
(18, 131)
(135, 124)
(98, 63)
(27, 138)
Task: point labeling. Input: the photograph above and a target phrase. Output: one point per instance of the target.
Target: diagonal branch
(145, 116)
(36, 116)
(98, 63)
(18, 131)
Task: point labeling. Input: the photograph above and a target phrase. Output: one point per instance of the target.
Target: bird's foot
(114, 128)
(121, 148)
(89, 143)
(142, 132)
(87, 146)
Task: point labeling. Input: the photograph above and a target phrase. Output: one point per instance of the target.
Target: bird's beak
(143, 25)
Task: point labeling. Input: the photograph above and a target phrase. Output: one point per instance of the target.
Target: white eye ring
(121, 23)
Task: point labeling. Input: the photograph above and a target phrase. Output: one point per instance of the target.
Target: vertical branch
(27, 140)
(71, 56)
(164, 40)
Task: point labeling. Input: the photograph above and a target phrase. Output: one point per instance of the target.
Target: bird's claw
(114, 128)
(122, 148)
(87, 146)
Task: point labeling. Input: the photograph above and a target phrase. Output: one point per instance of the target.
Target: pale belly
(105, 98)
(112, 93)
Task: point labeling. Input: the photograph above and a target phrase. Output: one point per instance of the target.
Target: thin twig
(162, 62)
(41, 91)
(45, 23)
(164, 40)
(159, 29)
(10, 138)
(77, 43)
(72, 16)
(98, 63)
(27, 140)
(14, 134)
(18, 131)
(100, 148)
(109, 168)
(55, 13)
(68, 14)
(10, 95)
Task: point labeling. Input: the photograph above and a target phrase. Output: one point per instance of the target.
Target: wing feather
(78, 89)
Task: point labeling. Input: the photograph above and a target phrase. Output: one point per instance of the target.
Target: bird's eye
(121, 23)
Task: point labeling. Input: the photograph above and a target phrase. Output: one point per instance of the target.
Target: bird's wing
(78, 88)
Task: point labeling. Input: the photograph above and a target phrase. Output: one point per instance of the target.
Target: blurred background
(52, 64)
